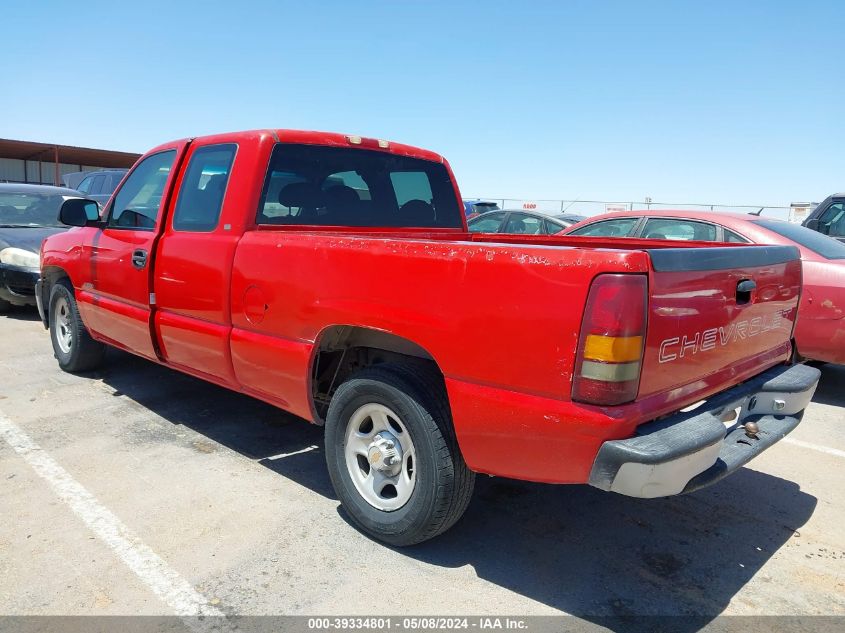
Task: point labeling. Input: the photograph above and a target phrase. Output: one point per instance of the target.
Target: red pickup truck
(333, 276)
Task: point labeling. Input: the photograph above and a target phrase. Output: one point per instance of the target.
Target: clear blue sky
(726, 102)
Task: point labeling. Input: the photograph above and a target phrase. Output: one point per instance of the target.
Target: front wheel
(392, 455)
(72, 344)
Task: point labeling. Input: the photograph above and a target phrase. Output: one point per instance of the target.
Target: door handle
(744, 289)
(139, 258)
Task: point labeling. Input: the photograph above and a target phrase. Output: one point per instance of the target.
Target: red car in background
(820, 330)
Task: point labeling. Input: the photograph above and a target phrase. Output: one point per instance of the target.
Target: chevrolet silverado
(334, 277)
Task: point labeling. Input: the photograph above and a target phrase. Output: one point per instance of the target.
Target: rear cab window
(332, 186)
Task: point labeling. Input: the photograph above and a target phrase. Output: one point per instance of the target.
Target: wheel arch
(340, 350)
(50, 275)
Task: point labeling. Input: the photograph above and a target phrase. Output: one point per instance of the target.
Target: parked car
(99, 185)
(473, 208)
(28, 214)
(522, 222)
(820, 330)
(828, 217)
(71, 180)
(237, 258)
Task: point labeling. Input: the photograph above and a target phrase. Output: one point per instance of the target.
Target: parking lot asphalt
(136, 490)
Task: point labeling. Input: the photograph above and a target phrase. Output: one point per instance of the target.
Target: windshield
(823, 245)
(30, 209)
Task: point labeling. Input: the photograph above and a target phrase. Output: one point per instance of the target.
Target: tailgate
(717, 316)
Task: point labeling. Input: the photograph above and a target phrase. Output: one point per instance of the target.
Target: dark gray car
(100, 185)
(28, 214)
(829, 217)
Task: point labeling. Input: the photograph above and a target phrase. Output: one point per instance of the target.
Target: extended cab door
(193, 262)
(115, 299)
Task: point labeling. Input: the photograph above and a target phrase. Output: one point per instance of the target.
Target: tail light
(610, 348)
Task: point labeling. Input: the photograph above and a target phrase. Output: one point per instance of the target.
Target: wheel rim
(61, 319)
(380, 457)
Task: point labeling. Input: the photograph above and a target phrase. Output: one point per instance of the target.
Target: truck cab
(828, 217)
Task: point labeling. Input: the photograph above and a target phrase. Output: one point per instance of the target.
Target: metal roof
(30, 150)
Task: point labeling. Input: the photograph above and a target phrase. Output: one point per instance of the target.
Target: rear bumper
(690, 450)
(17, 285)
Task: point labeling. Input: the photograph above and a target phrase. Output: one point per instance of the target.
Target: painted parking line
(162, 579)
(308, 449)
(815, 447)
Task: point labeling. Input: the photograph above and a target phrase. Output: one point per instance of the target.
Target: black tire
(5, 306)
(83, 353)
(443, 485)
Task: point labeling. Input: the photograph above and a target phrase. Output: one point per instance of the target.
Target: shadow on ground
(246, 425)
(592, 553)
(21, 313)
(577, 549)
(830, 390)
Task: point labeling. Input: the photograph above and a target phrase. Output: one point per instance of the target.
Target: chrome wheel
(380, 457)
(62, 324)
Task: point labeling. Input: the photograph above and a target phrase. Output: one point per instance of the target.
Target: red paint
(245, 306)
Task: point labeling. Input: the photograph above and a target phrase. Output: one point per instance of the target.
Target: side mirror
(79, 212)
(813, 224)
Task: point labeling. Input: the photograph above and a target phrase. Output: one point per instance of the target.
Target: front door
(116, 301)
(832, 221)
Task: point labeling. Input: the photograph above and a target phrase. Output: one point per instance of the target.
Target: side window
(203, 187)
(676, 229)
(832, 221)
(136, 204)
(621, 227)
(487, 223)
(524, 224)
(85, 185)
(97, 184)
(114, 182)
(551, 227)
(730, 236)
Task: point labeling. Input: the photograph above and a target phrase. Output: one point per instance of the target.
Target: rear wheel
(72, 344)
(5, 306)
(393, 457)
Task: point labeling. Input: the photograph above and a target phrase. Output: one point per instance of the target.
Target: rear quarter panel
(489, 314)
(820, 330)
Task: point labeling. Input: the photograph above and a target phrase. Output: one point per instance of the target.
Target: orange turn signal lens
(613, 349)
